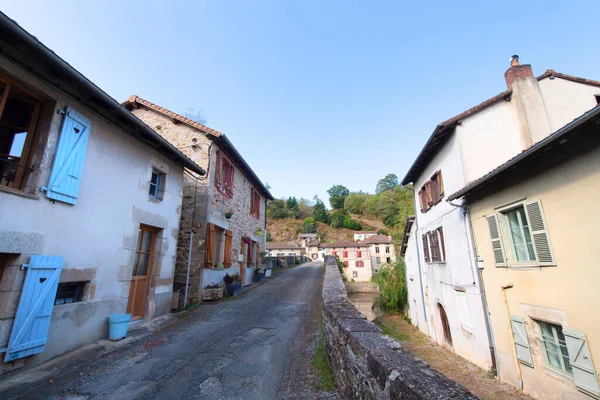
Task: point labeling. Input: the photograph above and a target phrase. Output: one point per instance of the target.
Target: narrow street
(255, 346)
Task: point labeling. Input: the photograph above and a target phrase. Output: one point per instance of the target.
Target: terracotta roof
(444, 129)
(314, 242)
(532, 150)
(282, 245)
(343, 243)
(366, 232)
(219, 137)
(379, 239)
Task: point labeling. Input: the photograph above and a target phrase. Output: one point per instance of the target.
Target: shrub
(309, 225)
(393, 294)
(336, 219)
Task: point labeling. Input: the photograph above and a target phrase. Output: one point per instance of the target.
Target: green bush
(352, 224)
(393, 294)
(337, 218)
(309, 225)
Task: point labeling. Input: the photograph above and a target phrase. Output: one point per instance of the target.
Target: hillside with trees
(384, 212)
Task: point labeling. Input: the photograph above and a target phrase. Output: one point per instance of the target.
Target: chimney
(528, 102)
(517, 71)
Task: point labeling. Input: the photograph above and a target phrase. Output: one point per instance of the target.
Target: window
(387, 249)
(597, 96)
(355, 274)
(345, 254)
(334, 253)
(432, 192)
(157, 184)
(360, 264)
(291, 254)
(434, 249)
(254, 203)
(519, 236)
(388, 260)
(378, 260)
(377, 249)
(554, 345)
(19, 114)
(218, 247)
(280, 254)
(359, 254)
(346, 264)
(70, 292)
(224, 175)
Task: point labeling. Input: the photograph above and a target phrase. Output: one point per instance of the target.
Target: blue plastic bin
(117, 326)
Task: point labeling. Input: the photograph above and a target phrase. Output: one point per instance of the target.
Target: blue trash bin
(117, 326)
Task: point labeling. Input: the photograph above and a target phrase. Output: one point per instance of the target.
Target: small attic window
(597, 96)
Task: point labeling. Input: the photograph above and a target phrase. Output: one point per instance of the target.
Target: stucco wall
(566, 100)
(209, 205)
(382, 255)
(415, 283)
(98, 235)
(566, 294)
(363, 273)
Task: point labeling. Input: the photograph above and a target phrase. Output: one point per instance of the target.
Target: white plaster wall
(488, 139)
(414, 280)
(566, 100)
(441, 278)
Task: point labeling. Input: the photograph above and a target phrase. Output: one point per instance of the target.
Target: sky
(315, 93)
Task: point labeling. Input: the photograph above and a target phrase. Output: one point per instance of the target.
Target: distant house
(535, 222)
(310, 242)
(448, 304)
(281, 249)
(89, 206)
(381, 250)
(361, 235)
(225, 212)
(354, 255)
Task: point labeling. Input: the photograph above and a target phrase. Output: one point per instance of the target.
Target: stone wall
(370, 365)
(361, 287)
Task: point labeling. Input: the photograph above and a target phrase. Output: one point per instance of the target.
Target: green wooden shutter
(519, 332)
(499, 258)
(68, 160)
(539, 233)
(584, 373)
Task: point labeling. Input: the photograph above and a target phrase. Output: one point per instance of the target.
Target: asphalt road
(255, 346)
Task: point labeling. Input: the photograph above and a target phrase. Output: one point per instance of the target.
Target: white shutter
(494, 227)
(539, 233)
(584, 373)
(519, 331)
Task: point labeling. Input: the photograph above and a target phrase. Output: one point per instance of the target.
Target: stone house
(448, 303)
(381, 250)
(223, 215)
(355, 256)
(87, 229)
(535, 224)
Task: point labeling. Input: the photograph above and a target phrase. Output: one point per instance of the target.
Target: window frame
(359, 264)
(563, 371)
(345, 254)
(24, 163)
(224, 174)
(78, 293)
(254, 203)
(434, 246)
(159, 185)
(431, 192)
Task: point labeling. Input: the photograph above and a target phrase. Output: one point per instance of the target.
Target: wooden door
(140, 277)
(445, 325)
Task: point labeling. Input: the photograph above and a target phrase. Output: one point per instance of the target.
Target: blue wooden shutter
(30, 329)
(68, 161)
(522, 346)
(584, 373)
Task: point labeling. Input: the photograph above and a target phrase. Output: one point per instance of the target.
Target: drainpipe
(419, 262)
(488, 322)
(504, 287)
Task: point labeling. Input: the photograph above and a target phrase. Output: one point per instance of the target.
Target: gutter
(85, 84)
(539, 145)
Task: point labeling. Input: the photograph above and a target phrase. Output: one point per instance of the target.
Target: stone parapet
(368, 364)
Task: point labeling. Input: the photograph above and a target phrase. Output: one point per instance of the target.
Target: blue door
(30, 329)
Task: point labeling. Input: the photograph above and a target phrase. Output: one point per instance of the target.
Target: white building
(282, 249)
(355, 256)
(443, 279)
(381, 250)
(90, 199)
(361, 235)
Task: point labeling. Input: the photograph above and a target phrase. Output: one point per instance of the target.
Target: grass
(321, 363)
(390, 331)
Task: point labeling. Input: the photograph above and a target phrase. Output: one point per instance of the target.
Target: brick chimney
(528, 101)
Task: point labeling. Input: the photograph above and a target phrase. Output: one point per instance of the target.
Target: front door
(138, 291)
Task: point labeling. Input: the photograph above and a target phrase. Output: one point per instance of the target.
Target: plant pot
(117, 326)
(233, 288)
(212, 294)
(258, 277)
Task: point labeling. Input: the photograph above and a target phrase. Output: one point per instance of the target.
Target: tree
(337, 196)
(195, 115)
(354, 203)
(305, 208)
(337, 218)
(319, 211)
(389, 182)
(276, 209)
(292, 204)
(309, 225)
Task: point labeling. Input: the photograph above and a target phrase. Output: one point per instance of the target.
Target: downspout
(488, 322)
(504, 287)
(419, 262)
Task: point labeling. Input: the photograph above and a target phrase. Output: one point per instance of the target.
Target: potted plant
(258, 275)
(229, 213)
(232, 283)
(213, 291)
(259, 232)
